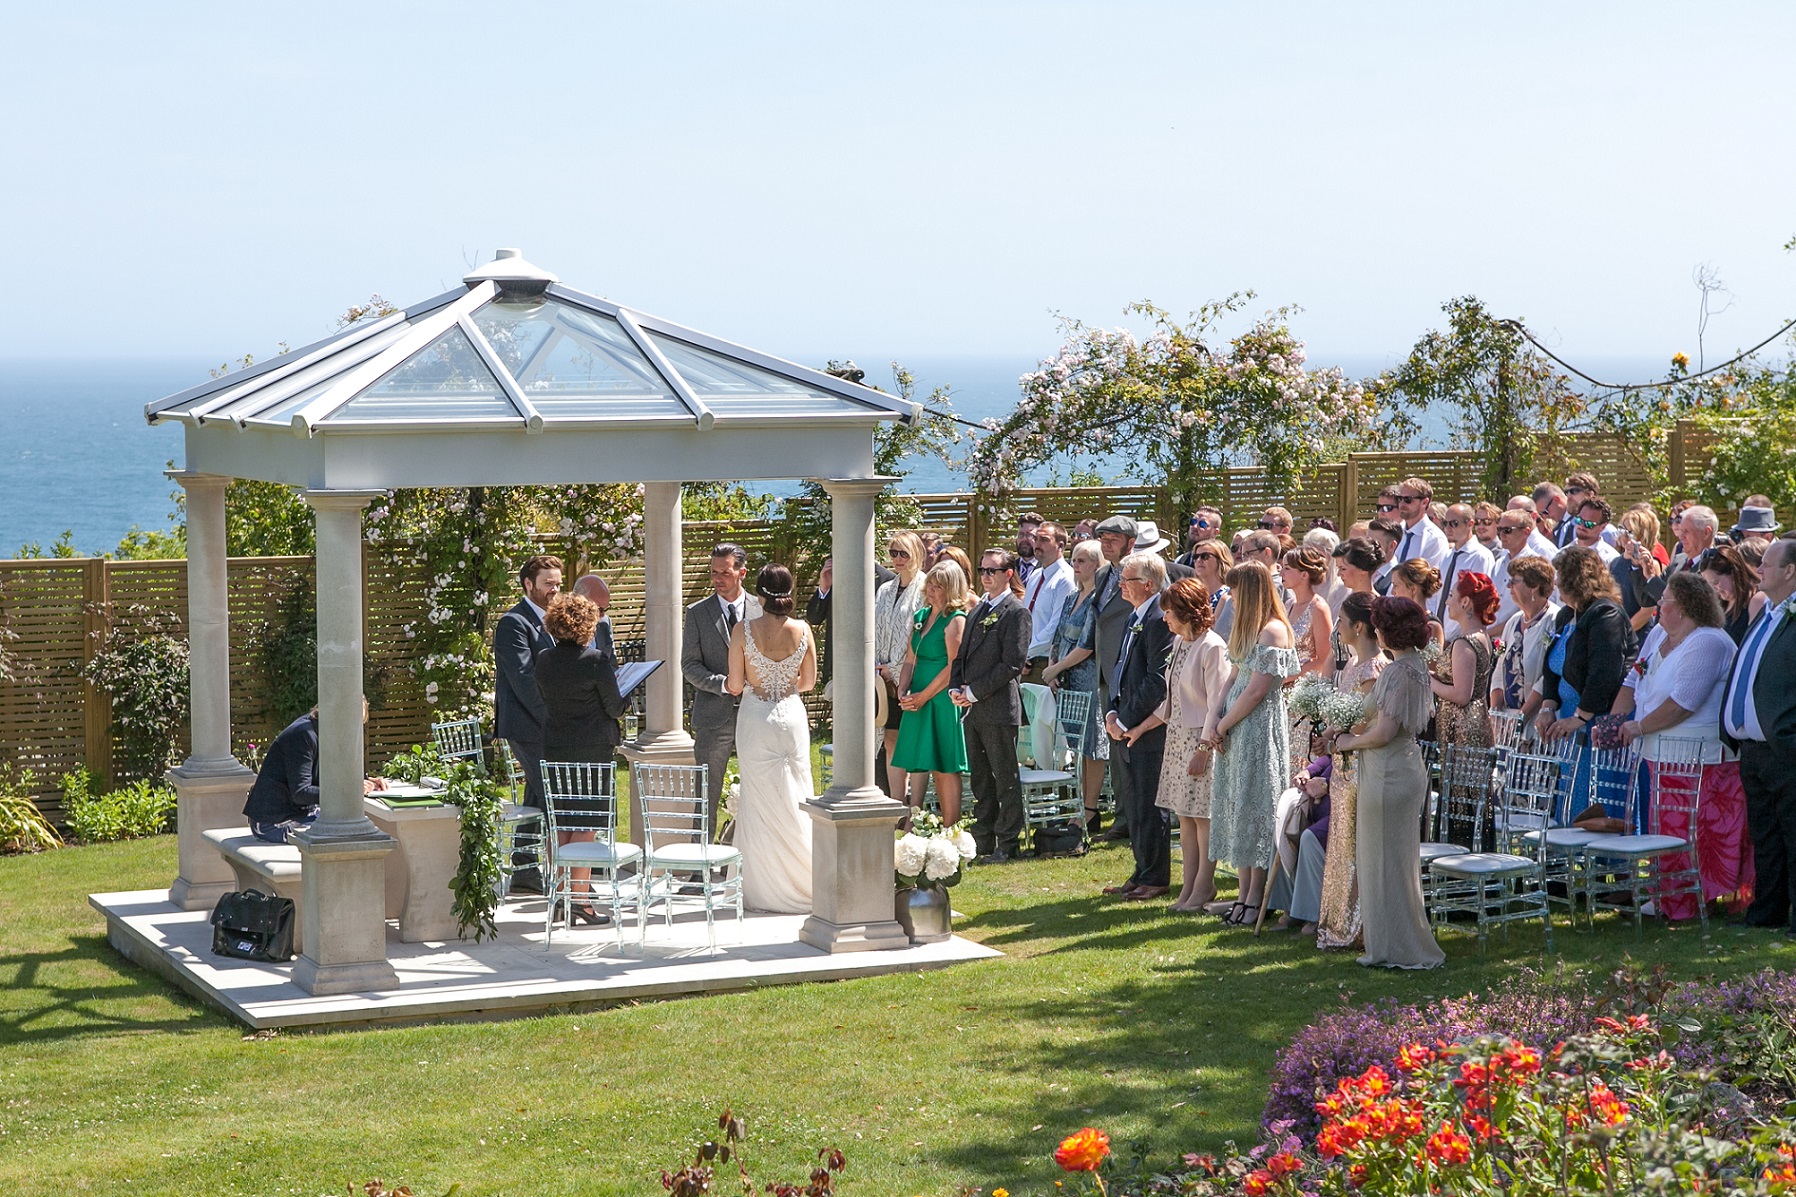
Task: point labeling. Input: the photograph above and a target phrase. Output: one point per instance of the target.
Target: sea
(77, 456)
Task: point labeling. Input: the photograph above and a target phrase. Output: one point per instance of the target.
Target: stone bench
(270, 868)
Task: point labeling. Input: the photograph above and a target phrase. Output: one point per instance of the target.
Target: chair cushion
(582, 852)
(1564, 837)
(1437, 851)
(1635, 845)
(1044, 777)
(1483, 864)
(714, 855)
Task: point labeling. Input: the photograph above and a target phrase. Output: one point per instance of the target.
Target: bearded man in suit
(1758, 718)
(993, 654)
(518, 708)
(705, 664)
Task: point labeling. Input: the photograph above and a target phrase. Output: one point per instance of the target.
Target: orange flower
(1283, 1164)
(1609, 1109)
(1258, 1183)
(1680, 359)
(1446, 1146)
(1083, 1150)
(1413, 1056)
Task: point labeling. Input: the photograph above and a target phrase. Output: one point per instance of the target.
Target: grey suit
(1113, 621)
(705, 664)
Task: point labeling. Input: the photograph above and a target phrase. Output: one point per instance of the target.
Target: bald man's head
(593, 588)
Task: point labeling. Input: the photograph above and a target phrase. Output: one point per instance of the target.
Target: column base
(851, 872)
(205, 799)
(343, 887)
(664, 748)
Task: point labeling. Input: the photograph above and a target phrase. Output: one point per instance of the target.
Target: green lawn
(1140, 1022)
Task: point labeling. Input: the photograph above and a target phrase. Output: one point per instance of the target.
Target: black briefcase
(252, 925)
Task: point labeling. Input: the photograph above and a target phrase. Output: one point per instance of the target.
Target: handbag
(1605, 732)
(251, 925)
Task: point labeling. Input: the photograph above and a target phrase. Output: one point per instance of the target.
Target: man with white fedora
(1149, 540)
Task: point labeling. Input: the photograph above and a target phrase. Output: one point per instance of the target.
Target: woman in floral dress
(1252, 739)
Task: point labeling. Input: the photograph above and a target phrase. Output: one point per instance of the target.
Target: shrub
(23, 827)
(147, 680)
(132, 812)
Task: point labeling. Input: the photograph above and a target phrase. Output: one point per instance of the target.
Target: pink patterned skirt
(1724, 851)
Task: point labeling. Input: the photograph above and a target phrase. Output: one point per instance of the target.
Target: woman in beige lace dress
(1393, 787)
(1338, 925)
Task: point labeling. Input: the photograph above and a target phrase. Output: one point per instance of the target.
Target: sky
(853, 179)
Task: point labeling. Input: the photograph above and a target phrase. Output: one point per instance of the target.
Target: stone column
(210, 785)
(851, 840)
(662, 739)
(343, 854)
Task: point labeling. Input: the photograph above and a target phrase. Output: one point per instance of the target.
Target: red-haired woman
(1462, 675)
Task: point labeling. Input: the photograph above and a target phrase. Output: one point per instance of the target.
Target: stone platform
(508, 975)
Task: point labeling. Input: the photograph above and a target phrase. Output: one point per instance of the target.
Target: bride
(773, 659)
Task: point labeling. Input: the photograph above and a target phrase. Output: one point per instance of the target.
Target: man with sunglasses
(1590, 528)
(1579, 490)
(1206, 524)
(1467, 556)
(994, 651)
(1421, 537)
(1519, 536)
(1277, 521)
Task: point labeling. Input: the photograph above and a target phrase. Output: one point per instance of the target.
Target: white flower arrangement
(931, 854)
(1318, 700)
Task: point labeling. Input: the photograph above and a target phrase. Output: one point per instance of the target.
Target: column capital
(854, 488)
(340, 500)
(194, 480)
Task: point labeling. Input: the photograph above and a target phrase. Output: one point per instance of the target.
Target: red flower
(1258, 1183)
(1414, 1056)
(1083, 1150)
(1608, 1109)
(1283, 1164)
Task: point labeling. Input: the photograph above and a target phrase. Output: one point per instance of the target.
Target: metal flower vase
(924, 913)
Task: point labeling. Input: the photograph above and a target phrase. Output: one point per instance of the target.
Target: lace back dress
(773, 748)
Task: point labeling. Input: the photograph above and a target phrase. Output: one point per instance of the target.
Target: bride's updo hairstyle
(774, 585)
(1401, 623)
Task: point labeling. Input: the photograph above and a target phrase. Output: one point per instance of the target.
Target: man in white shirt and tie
(1466, 556)
(1758, 717)
(1420, 537)
(1045, 593)
(1516, 532)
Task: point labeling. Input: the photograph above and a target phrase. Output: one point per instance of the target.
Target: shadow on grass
(86, 989)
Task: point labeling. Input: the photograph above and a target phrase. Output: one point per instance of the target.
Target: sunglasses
(1506, 529)
(898, 554)
(998, 569)
(1409, 498)
(1201, 522)
(1485, 522)
(1584, 523)
(1454, 524)
(1204, 557)
(1387, 507)
(1268, 526)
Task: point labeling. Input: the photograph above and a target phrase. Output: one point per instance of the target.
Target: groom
(705, 664)
(993, 654)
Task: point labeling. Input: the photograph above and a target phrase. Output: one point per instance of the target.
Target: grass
(1144, 1023)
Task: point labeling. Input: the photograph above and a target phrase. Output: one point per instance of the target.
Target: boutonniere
(1789, 608)
(1134, 625)
(989, 620)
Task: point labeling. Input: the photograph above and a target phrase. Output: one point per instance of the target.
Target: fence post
(96, 619)
(976, 520)
(1349, 493)
(1675, 462)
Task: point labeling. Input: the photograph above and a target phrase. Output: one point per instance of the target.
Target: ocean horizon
(81, 458)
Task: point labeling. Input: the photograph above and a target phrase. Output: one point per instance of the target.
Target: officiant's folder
(633, 675)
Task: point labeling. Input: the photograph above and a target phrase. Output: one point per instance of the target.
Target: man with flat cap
(1116, 540)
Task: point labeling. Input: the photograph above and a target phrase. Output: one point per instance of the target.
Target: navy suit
(1768, 775)
(1140, 689)
(518, 709)
(287, 786)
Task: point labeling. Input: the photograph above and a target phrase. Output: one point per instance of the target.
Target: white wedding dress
(773, 748)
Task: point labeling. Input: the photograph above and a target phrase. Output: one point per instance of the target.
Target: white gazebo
(515, 379)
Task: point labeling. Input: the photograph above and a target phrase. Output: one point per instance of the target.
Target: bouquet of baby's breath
(1323, 704)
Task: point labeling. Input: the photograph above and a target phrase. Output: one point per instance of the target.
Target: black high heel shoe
(584, 913)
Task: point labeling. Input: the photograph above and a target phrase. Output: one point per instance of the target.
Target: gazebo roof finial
(513, 272)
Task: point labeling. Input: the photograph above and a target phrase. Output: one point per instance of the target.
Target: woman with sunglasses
(895, 606)
(1075, 668)
(1211, 562)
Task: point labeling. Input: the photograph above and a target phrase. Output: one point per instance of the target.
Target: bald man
(595, 590)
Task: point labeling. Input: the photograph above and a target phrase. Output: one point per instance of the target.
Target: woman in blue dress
(1075, 667)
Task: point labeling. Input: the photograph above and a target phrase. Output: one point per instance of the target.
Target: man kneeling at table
(284, 799)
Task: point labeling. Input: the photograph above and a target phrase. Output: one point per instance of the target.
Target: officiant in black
(578, 683)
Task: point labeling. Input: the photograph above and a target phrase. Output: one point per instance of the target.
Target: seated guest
(1302, 856)
(585, 711)
(1676, 692)
(284, 799)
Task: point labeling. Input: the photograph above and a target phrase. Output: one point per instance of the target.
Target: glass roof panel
(446, 380)
(712, 374)
(555, 349)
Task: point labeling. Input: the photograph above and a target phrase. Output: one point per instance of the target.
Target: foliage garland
(477, 871)
(1179, 404)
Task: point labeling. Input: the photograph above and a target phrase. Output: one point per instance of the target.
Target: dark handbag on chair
(252, 925)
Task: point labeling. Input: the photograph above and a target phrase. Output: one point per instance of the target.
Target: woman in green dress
(930, 739)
